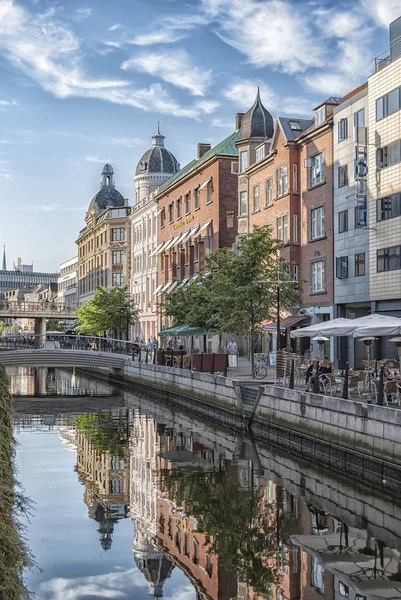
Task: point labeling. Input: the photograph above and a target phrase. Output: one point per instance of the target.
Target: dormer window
(295, 125)
(260, 153)
(320, 115)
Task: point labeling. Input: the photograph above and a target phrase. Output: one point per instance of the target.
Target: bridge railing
(73, 342)
(42, 306)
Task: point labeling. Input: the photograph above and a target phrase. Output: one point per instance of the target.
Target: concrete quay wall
(370, 429)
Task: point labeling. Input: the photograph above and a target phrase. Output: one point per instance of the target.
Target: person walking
(232, 347)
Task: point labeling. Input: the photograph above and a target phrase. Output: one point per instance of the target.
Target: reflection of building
(154, 565)
(103, 244)
(105, 478)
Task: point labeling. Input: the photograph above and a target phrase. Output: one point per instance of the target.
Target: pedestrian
(150, 345)
(155, 344)
(232, 347)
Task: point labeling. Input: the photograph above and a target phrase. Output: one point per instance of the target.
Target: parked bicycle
(260, 369)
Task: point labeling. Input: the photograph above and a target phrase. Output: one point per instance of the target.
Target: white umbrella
(376, 324)
(335, 327)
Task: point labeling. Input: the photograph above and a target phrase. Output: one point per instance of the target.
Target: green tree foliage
(238, 290)
(55, 325)
(106, 432)
(2, 327)
(112, 312)
(245, 532)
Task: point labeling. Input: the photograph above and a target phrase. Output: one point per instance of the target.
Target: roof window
(295, 125)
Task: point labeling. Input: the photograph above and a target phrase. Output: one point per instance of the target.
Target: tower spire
(4, 265)
(158, 127)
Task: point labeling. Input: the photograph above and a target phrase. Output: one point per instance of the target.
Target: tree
(238, 290)
(2, 327)
(112, 311)
(55, 325)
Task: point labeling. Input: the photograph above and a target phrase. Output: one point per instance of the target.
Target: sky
(85, 82)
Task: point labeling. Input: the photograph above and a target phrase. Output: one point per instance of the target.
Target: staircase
(249, 393)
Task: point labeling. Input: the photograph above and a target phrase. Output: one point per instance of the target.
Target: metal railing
(13, 307)
(388, 56)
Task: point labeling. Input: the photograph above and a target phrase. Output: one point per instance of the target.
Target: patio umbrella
(335, 327)
(376, 324)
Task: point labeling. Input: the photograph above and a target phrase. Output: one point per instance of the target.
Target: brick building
(197, 213)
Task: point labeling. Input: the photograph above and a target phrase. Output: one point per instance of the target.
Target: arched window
(108, 179)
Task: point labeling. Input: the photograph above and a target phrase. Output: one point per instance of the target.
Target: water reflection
(45, 381)
(214, 516)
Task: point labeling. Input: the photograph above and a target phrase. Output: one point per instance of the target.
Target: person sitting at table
(326, 366)
(310, 373)
(387, 373)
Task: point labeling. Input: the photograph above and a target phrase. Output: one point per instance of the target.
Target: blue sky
(82, 83)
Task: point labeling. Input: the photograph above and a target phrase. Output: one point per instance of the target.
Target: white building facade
(67, 281)
(155, 167)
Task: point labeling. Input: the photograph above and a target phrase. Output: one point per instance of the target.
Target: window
(195, 558)
(295, 125)
(177, 537)
(179, 208)
(196, 198)
(282, 229)
(316, 169)
(117, 234)
(295, 272)
(234, 168)
(161, 523)
(255, 196)
(343, 589)
(317, 223)
(171, 212)
(388, 104)
(389, 259)
(116, 486)
(260, 153)
(317, 574)
(187, 203)
(343, 221)
(117, 279)
(295, 177)
(209, 192)
(342, 129)
(317, 283)
(320, 115)
(342, 267)
(359, 118)
(389, 207)
(295, 236)
(269, 192)
(162, 218)
(388, 155)
(359, 264)
(243, 203)
(117, 257)
(243, 160)
(170, 528)
(281, 181)
(342, 176)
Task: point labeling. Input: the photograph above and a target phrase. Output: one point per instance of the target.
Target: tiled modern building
(156, 166)
(104, 243)
(67, 281)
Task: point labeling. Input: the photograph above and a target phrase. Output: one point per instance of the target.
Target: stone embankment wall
(13, 555)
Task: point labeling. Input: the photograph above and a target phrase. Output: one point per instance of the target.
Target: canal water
(146, 501)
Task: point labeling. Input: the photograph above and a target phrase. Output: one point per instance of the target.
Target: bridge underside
(61, 358)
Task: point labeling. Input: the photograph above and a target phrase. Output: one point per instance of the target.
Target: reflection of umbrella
(320, 339)
(54, 332)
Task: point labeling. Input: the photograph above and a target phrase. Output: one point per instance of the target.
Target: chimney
(238, 120)
(202, 148)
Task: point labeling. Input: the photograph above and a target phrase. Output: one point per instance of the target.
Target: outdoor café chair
(353, 385)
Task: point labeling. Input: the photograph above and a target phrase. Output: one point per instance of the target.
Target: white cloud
(5, 176)
(280, 35)
(52, 208)
(187, 592)
(171, 29)
(9, 103)
(175, 67)
(383, 12)
(96, 159)
(49, 53)
(3, 141)
(127, 142)
(157, 37)
(82, 13)
(115, 26)
(329, 83)
(225, 123)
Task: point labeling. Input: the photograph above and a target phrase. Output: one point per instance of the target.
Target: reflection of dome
(257, 122)
(154, 566)
(157, 159)
(108, 196)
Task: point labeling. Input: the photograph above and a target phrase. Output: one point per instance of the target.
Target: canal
(138, 500)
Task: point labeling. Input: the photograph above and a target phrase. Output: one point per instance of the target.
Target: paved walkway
(244, 371)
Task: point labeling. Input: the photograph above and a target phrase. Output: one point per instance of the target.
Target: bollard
(380, 391)
(212, 366)
(292, 375)
(163, 356)
(172, 358)
(147, 356)
(316, 385)
(226, 366)
(201, 363)
(140, 354)
(154, 356)
(182, 359)
(345, 387)
(133, 355)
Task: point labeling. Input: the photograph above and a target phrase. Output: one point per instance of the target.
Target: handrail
(12, 306)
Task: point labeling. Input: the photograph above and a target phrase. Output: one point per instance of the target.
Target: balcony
(388, 56)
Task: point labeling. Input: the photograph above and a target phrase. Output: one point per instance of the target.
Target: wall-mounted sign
(183, 222)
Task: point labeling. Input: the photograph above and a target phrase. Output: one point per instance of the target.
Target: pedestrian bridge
(36, 310)
(58, 357)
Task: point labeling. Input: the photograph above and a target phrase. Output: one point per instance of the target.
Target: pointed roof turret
(257, 122)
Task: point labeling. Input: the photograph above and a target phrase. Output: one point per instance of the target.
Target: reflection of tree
(246, 532)
(107, 432)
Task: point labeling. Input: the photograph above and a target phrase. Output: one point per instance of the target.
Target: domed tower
(154, 168)
(108, 196)
(256, 131)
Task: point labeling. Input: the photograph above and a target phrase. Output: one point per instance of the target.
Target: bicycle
(259, 369)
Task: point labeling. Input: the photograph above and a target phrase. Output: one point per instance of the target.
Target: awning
(184, 281)
(156, 250)
(166, 287)
(159, 287)
(284, 323)
(161, 248)
(159, 211)
(180, 238)
(190, 234)
(172, 287)
(172, 242)
(185, 331)
(204, 184)
(202, 228)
